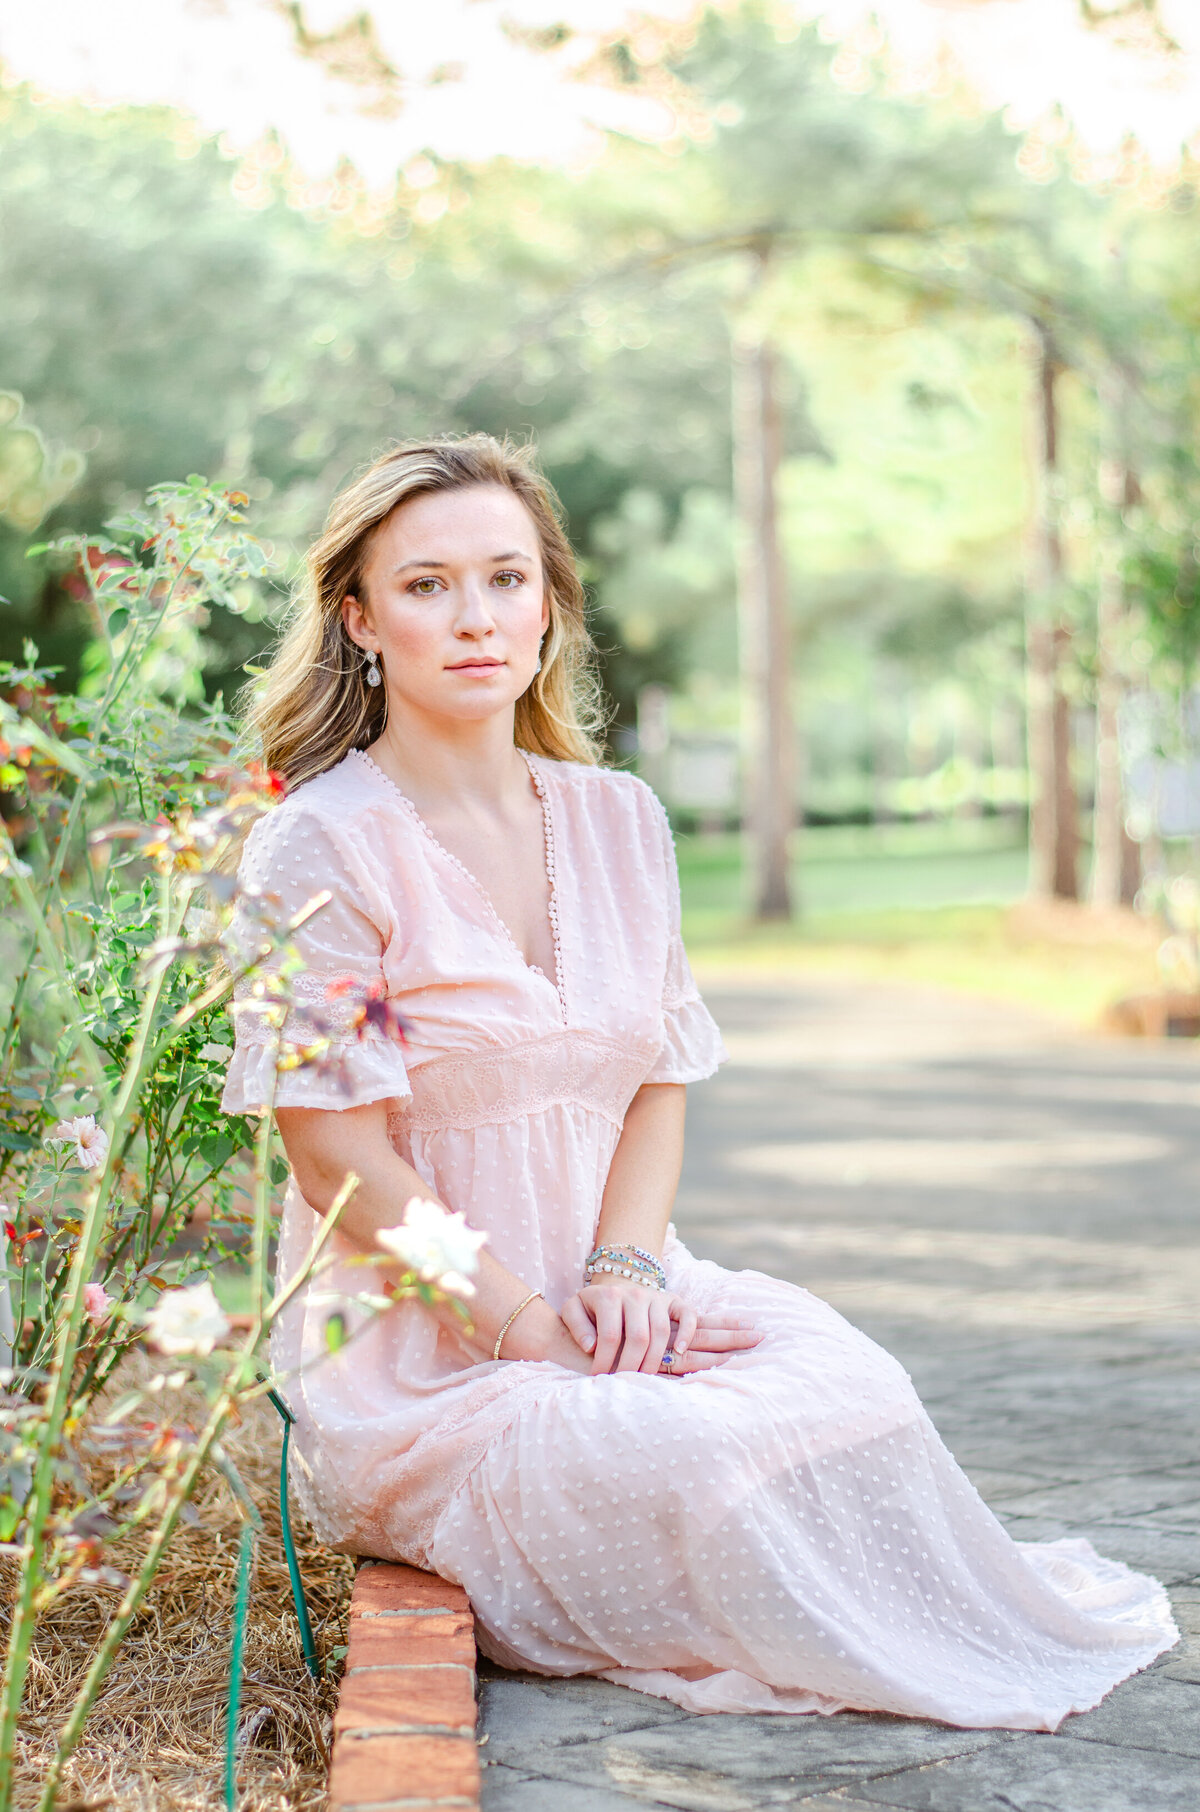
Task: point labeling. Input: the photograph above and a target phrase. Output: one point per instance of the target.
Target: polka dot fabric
(783, 1533)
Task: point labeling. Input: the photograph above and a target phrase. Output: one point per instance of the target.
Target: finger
(608, 1331)
(579, 1324)
(637, 1332)
(724, 1340)
(687, 1320)
(660, 1332)
(693, 1361)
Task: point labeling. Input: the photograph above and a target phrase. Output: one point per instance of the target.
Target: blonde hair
(314, 704)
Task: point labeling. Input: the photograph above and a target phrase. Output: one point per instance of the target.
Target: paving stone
(1113, 1498)
(1172, 1555)
(512, 1790)
(1183, 1663)
(723, 1764)
(1152, 1712)
(524, 1712)
(1044, 1774)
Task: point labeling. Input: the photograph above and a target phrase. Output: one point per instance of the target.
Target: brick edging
(404, 1729)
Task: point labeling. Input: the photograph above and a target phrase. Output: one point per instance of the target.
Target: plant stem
(102, 1660)
(16, 1665)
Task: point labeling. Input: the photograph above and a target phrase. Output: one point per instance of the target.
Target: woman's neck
(435, 762)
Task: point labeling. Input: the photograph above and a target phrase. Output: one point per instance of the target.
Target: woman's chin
(473, 703)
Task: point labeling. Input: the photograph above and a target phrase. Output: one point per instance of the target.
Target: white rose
(189, 1320)
(438, 1246)
(90, 1141)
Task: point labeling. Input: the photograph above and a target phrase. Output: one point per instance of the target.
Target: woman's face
(454, 602)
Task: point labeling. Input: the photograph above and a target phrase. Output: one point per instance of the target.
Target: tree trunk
(1053, 811)
(1115, 857)
(762, 607)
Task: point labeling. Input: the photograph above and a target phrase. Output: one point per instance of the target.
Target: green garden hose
(308, 1645)
(241, 1604)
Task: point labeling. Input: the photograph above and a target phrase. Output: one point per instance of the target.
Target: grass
(936, 904)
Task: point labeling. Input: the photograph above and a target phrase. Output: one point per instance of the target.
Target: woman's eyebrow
(513, 554)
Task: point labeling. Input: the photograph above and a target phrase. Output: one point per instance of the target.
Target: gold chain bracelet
(511, 1319)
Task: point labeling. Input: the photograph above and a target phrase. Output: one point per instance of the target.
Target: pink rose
(96, 1303)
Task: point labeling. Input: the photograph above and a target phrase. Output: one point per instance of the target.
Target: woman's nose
(474, 614)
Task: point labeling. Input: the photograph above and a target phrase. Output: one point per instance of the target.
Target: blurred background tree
(962, 382)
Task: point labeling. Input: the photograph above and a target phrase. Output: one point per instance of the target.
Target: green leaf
(335, 1332)
(216, 1150)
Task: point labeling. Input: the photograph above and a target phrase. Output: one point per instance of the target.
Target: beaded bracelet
(630, 1257)
(642, 1267)
(611, 1256)
(645, 1278)
(622, 1246)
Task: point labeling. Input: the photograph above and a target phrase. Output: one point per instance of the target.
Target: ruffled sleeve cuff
(692, 1047)
(351, 1074)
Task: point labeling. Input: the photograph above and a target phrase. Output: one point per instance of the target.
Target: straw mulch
(155, 1741)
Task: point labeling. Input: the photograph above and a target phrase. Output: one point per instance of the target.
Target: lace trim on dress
(329, 1059)
(480, 1088)
(543, 793)
(348, 1074)
(314, 1011)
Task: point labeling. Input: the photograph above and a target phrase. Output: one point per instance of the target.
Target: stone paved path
(1017, 1217)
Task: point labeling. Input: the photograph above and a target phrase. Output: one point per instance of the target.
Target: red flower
(375, 1008)
(378, 1011)
(20, 1240)
(268, 780)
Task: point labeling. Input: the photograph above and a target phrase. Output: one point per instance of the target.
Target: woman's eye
(424, 588)
(509, 581)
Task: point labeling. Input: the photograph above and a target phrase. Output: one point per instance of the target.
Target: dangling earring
(374, 677)
(538, 668)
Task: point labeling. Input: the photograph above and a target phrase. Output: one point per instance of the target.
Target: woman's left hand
(627, 1328)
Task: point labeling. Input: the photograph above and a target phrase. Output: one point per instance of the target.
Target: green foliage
(89, 778)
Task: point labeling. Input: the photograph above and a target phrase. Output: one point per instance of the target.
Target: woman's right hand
(626, 1328)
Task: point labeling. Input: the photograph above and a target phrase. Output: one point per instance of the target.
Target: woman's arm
(644, 1174)
(324, 1146)
(625, 1326)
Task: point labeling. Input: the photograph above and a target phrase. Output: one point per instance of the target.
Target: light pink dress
(789, 1519)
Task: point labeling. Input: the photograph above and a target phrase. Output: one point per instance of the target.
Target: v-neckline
(543, 792)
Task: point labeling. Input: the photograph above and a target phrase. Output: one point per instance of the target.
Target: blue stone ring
(667, 1360)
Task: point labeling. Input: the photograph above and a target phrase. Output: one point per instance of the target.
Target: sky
(233, 65)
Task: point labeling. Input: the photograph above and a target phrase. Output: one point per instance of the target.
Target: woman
(703, 1484)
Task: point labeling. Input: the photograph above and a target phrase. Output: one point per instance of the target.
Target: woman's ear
(358, 626)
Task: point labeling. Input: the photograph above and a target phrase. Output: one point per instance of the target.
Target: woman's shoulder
(332, 809)
(597, 786)
(617, 804)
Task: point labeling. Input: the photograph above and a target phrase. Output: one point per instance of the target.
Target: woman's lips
(476, 667)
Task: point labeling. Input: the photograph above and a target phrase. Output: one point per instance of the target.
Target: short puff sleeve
(692, 1047)
(292, 856)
